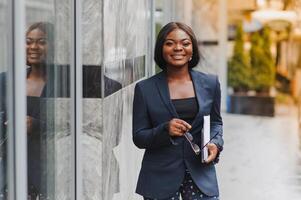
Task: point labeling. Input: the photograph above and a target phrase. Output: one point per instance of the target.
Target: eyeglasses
(194, 146)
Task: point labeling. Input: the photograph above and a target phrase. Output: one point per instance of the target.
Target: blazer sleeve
(144, 134)
(216, 122)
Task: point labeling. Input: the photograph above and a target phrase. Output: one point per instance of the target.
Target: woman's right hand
(177, 127)
(29, 124)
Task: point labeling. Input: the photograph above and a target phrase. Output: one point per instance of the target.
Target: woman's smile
(34, 55)
(178, 56)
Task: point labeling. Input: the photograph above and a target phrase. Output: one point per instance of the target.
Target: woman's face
(36, 47)
(177, 48)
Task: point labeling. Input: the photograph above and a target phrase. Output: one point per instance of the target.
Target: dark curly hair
(161, 39)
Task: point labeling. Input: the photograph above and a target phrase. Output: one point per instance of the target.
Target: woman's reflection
(44, 82)
(39, 59)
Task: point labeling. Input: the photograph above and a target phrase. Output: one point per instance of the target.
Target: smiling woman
(47, 87)
(39, 60)
(38, 51)
(168, 112)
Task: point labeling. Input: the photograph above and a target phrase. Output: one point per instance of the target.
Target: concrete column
(222, 41)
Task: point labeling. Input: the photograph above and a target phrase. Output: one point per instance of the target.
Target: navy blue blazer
(166, 158)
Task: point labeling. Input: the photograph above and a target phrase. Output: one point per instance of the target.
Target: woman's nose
(34, 45)
(178, 47)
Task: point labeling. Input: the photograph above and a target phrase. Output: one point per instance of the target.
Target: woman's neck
(37, 72)
(178, 74)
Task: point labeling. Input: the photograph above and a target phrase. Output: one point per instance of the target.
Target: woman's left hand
(212, 150)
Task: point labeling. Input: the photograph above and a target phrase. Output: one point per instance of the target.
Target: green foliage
(239, 70)
(255, 71)
(263, 70)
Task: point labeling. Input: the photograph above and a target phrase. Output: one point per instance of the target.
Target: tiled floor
(261, 158)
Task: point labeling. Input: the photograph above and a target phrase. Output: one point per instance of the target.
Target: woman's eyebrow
(176, 40)
(38, 38)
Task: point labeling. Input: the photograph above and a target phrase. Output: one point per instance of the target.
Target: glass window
(91, 138)
(48, 50)
(126, 45)
(3, 98)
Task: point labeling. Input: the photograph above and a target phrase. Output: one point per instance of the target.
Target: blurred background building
(254, 46)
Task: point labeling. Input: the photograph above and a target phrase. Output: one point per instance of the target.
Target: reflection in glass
(139, 67)
(39, 47)
(123, 73)
(114, 77)
(48, 99)
(128, 71)
(3, 98)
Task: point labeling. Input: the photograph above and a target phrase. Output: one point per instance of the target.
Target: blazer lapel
(200, 91)
(162, 86)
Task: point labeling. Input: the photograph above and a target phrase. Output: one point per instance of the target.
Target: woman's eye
(168, 43)
(186, 44)
(41, 42)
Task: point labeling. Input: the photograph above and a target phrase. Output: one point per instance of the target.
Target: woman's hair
(48, 29)
(161, 39)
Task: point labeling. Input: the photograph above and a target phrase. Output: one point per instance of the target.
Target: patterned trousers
(188, 190)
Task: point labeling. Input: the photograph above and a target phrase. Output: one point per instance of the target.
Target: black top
(186, 108)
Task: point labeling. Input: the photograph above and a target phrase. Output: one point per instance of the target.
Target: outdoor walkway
(262, 157)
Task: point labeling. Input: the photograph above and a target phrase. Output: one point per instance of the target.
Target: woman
(39, 85)
(46, 80)
(167, 106)
(39, 59)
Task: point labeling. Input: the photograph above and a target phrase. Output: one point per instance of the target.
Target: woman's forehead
(36, 32)
(177, 34)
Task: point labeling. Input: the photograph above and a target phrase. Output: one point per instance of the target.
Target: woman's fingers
(176, 130)
(213, 150)
(178, 127)
(188, 126)
(29, 121)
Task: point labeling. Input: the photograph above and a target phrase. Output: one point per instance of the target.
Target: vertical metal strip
(72, 99)
(102, 50)
(76, 99)
(151, 69)
(10, 167)
(17, 145)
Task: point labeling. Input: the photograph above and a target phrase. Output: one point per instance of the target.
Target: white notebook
(205, 137)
